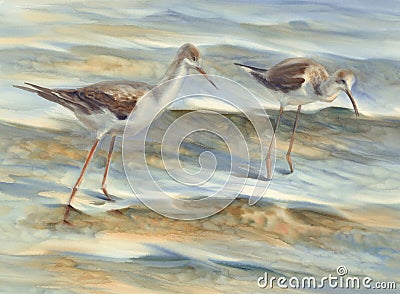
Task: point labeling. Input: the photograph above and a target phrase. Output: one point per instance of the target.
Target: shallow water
(340, 207)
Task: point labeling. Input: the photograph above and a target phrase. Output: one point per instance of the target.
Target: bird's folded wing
(119, 97)
(286, 76)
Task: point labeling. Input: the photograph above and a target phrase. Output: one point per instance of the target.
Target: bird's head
(344, 80)
(190, 57)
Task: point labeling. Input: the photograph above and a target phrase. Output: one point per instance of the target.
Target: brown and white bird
(299, 81)
(104, 107)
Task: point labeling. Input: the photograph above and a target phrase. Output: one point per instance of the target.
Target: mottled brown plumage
(104, 107)
(299, 81)
(119, 97)
(289, 74)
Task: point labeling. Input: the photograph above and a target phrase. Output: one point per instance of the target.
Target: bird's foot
(67, 223)
(289, 160)
(105, 192)
(66, 214)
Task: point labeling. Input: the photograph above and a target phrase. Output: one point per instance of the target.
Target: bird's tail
(34, 89)
(249, 68)
(46, 93)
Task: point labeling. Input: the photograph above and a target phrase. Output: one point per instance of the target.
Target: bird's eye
(343, 81)
(194, 58)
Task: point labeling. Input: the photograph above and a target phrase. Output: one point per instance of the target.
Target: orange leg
(289, 160)
(269, 165)
(103, 184)
(79, 181)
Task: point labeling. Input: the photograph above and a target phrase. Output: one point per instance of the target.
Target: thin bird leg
(269, 165)
(103, 184)
(289, 160)
(79, 181)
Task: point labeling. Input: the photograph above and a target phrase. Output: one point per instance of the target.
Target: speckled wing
(286, 76)
(119, 97)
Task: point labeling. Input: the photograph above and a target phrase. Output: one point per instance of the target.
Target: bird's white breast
(103, 123)
(301, 96)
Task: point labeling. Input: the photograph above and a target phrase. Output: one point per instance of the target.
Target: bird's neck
(175, 69)
(328, 90)
(172, 81)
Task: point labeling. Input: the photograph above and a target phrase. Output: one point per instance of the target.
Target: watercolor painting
(75, 74)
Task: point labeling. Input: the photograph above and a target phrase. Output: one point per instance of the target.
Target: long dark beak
(348, 92)
(200, 70)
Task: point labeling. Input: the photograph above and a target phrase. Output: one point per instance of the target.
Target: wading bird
(104, 107)
(299, 81)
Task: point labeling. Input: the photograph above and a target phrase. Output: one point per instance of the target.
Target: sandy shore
(135, 249)
(339, 207)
